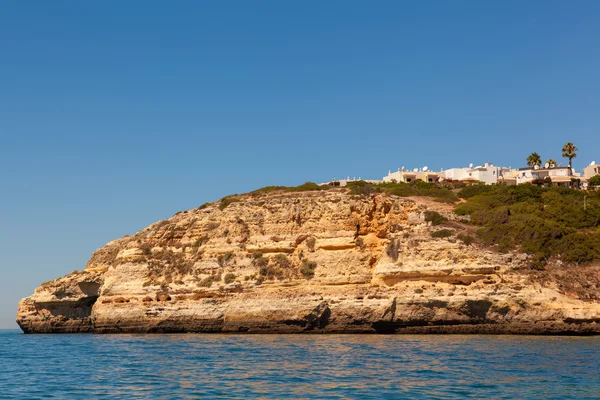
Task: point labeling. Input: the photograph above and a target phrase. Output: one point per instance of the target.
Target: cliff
(313, 261)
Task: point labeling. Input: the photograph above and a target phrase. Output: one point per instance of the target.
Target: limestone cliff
(320, 261)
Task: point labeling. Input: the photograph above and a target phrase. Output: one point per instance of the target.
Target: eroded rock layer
(306, 262)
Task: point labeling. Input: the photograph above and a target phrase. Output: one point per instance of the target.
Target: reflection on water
(294, 366)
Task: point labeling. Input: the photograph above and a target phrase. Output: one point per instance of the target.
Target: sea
(210, 366)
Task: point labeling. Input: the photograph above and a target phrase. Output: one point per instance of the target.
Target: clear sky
(116, 114)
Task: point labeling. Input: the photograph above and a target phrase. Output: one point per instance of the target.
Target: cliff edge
(313, 261)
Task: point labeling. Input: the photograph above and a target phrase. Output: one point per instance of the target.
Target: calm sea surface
(293, 366)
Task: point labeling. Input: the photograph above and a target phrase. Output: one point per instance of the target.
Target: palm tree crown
(551, 162)
(534, 159)
(568, 151)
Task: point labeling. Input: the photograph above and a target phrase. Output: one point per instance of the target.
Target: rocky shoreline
(307, 262)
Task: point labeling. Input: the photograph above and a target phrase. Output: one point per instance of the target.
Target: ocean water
(297, 366)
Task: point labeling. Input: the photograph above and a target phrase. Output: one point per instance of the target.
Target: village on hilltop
(549, 174)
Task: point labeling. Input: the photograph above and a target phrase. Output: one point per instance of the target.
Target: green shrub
(305, 187)
(537, 182)
(437, 191)
(282, 261)
(466, 239)
(208, 281)
(307, 269)
(226, 201)
(225, 259)
(442, 233)
(474, 190)
(361, 188)
(594, 181)
(434, 217)
(544, 222)
(229, 278)
(146, 250)
(258, 260)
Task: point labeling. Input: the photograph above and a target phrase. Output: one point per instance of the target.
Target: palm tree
(534, 159)
(551, 162)
(568, 151)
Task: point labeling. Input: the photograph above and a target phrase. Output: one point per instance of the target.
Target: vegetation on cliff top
(544, 222)
(439, 191)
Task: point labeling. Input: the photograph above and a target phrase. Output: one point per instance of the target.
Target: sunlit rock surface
(314, 262)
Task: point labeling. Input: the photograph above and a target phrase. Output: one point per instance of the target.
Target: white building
(486, 173)
(423, 174)
(591, 170)
(556, 176)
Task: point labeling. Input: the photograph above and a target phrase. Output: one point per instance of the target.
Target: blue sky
(116, 114)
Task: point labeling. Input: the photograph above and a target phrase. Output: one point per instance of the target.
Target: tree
(594, 181)
(534, 159)
(568, 151)
(551, 162)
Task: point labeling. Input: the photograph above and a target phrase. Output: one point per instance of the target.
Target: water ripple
(294, 366)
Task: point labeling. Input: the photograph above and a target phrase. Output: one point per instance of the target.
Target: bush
(437, 191)
(361, 188)
(146, 250)
(208, 281)
(258, 260)
(474, 190)
(282, 261)
(537, 182)
(543, 222)
(466, 239)
(434, 217)
(226, 201)
(307, 269)
(225, 259)
(594, 181)
(229, 278)
(305, 187)
(442, 233)
(203, 206)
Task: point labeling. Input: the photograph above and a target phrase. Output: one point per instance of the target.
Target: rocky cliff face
(305, 262)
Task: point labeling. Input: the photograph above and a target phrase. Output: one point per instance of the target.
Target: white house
(559, 176)
(591, 170)
(423, 174)
(486, 173)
